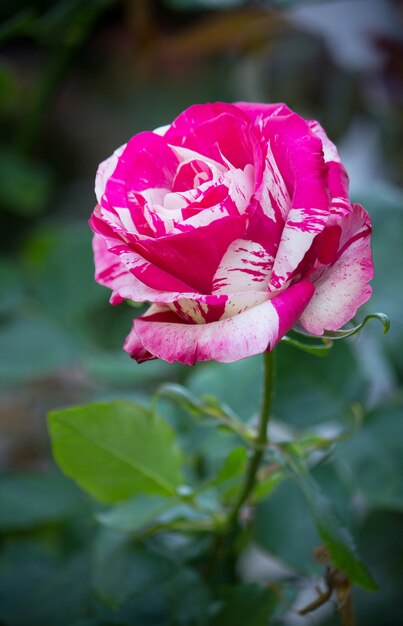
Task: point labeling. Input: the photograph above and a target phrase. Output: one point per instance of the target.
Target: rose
(235, 223)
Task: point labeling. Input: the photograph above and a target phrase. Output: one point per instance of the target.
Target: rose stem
(260, 441)
(223, 552)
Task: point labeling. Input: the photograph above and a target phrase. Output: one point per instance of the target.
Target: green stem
(260, 441)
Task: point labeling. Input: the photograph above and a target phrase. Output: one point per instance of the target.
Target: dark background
(77, 79)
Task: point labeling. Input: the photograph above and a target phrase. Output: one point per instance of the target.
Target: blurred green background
(77, 79)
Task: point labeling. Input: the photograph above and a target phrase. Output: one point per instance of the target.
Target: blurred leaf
(187, 597)
(373, 460)
(122, 568)
(29, 500)
(59, 264)
(269, 479)
(35, 347)
(235, 464)
(333, 533)
(137, 514)
(146, 514)
(308, 390)
(247, 603)
(385, 205)
(25, 185)
(116, 450)
(182, 396)
(207, 406)
(46, 600)
(284, 527)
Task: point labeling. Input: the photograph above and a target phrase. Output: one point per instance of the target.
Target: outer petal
(337, 177)
(342, 287)
(162, 334)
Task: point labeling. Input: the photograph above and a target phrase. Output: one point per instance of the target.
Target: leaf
(206, 406)
(182, 396)
(149, 514)
(317, 349)
(137, 514)
(267, 483)
(28, 501)
(234, 465)
(373, 459)
(333, 533)
(187, 597)
(122, 568)
(243, 604)
(348, 332)
(42, 582)
(116, 450)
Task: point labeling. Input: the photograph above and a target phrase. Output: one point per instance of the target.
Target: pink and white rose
(235, 223)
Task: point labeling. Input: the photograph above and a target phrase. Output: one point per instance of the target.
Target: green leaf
(317, 349)
(373, 460)
(187, 597)
(348, 332)
(137, 514)
(182, 396)
(42, 581)
(149, 514)
(234, 466)
(268, 483)
(333, 533)
(243, 604)
(27, 501)
(116, 450)
(122, 568)
(207, 406)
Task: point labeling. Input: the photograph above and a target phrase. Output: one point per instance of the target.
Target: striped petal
(341, 288)
(164, 335)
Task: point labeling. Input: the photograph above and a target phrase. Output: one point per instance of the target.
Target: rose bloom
(235, 223)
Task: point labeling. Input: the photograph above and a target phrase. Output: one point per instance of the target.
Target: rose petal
(247, 334)
(235, 139)
(343, 287)
(246, 266)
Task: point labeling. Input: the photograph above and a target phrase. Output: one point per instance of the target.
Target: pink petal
(193, 256)
(257, 111)
(337, 177)
(164, 335)
(221, 132)
(299, 156)
(272, 203)
(341, 288)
